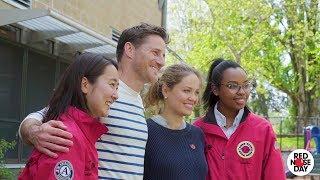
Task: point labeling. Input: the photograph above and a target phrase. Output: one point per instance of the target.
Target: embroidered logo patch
(64, 170)
(245, 149)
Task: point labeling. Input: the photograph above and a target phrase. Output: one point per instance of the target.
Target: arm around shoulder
(48, 138)
(30, 123)
(27, 128)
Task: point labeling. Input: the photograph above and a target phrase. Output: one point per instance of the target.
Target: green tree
(276, 41)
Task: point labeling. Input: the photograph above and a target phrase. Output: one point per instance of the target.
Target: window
(10, 95)
(115, 35)
(21, 93)
(22, 4)
(63, 68)
(40, 81)
(10, 32)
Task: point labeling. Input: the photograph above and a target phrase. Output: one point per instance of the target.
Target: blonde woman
(175, 149)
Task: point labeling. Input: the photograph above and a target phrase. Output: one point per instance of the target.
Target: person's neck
(130, 79)
(174, 120)
(229, 114)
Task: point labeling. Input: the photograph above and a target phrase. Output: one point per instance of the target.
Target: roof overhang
(71, 36)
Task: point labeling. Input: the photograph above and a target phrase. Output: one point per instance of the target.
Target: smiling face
(182, 98)
(149, 58)
(231, 99)
(102, 93)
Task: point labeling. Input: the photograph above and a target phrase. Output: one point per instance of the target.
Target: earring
(165, 97)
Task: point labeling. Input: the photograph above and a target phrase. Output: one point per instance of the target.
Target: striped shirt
(121, 150)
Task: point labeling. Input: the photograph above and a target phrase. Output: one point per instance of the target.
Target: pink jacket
(81, 162)
(249, 154)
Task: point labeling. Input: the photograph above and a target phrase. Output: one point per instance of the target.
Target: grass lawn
(290, 143)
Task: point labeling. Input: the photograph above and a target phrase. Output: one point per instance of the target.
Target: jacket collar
(91, 127)
(210, 117)
(209, 123)
(222, 120)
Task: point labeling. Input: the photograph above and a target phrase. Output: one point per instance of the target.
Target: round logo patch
(300, 162)
(64, 170)
(245, 149)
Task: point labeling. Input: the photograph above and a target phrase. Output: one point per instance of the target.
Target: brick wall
(101, 15)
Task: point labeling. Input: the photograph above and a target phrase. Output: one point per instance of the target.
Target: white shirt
(163, 122)
(222, 121)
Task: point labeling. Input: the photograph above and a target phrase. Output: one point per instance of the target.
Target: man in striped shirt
(140, 54)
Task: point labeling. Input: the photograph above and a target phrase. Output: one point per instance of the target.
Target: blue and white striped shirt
(121, 150)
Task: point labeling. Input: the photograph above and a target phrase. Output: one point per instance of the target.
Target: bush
(5, 146)
(289, 126)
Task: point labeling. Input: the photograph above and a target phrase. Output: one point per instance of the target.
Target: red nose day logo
(300, 162)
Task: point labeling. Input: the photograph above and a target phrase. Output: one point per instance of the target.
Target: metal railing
(290, 130)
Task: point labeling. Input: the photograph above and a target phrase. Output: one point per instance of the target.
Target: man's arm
(48, 137)
(36, 117)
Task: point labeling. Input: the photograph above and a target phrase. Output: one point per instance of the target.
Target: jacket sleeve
(70, 164)
(272, 163)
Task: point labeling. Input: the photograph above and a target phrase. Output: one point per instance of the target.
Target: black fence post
(281, 134)
(297, 132)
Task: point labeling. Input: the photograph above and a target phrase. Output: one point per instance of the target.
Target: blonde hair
(171, 76)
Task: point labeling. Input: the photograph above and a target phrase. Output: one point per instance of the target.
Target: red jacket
(249, 154)
(81, 162)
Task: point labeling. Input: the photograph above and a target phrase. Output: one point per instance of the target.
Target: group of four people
(94, 125)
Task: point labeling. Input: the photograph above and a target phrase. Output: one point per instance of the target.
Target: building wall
(4, 5)
(28, 75)
(103, 15)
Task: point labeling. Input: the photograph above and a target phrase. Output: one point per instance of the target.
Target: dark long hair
(68, 92)
(214, 78)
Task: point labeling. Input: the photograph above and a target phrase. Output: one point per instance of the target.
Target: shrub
(5, 146)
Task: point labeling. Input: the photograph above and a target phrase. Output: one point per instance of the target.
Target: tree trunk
(315, 108)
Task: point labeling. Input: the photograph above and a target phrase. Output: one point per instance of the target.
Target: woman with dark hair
(175, 149)
(85, 92)
(239, 144)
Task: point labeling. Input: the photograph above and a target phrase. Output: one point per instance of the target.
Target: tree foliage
(4, 147)
(277, 41)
